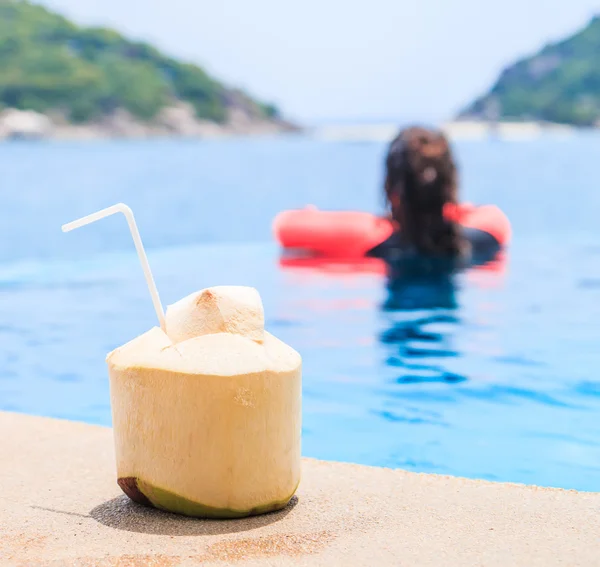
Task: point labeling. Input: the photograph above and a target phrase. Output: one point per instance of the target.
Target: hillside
(84, 75)
(559, 84)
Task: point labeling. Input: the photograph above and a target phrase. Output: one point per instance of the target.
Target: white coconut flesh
(207, 416)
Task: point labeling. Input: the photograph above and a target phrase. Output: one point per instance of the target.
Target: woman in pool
(425, 220)
(427, 244)
(421, 190)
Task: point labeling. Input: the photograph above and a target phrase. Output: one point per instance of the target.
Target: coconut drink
(206, 407)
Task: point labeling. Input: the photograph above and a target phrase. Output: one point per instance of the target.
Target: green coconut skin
(144, 493)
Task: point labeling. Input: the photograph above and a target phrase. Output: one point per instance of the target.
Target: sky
(346, 60)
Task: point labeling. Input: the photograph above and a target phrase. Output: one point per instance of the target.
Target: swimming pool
(493, 375)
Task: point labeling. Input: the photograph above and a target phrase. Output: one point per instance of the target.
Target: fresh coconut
(207, 415)
(224, 309)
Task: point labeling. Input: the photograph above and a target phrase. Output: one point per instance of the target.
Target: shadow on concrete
(123, 514)
(63, 512)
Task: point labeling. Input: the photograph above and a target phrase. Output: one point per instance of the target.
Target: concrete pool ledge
(60, 505)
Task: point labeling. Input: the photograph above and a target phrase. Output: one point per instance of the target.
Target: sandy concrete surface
(60, 505)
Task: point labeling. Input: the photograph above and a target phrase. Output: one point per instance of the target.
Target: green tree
(48, 63)
(561, 83)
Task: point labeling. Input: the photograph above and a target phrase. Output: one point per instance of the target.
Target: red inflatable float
(351, 234)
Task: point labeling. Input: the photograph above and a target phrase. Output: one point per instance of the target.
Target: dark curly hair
(421, 180)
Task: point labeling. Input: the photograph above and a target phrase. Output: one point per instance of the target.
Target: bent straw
(137, 240)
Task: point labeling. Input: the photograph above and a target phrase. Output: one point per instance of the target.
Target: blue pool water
(499, 381)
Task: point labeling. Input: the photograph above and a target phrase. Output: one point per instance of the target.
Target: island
(58, 79)
(560, 84)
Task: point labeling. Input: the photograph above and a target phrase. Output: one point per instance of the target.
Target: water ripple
(397, 418)
(443, 377)
(518, 361)
(588, 388)
(510, 394)
(589, 283)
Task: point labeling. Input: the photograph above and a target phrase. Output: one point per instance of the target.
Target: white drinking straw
(137, 240)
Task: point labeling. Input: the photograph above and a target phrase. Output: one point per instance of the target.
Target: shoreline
(70, 511)
(178, 122)
(455, 130)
